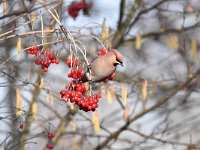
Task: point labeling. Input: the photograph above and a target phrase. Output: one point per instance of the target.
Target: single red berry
(73, 71)
(37, 61)
(95, 106)
(96, 101)
(104, 51)
(45, 69)
(32, 52)
(57, 61)
(98, 95)
(21, 126)
(50, 145)
(50, 135)
(36, 53)
(69, 75)
(79, 71)
(63, 92)
(90, 107)
(52, 61)
(99, 53)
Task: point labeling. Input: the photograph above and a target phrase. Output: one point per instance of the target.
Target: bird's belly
(99, 75)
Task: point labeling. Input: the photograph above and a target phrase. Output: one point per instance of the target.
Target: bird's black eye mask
(117, 62)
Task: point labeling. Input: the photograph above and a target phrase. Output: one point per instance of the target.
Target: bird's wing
(94, 59)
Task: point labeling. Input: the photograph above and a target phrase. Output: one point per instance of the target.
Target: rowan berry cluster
(75, 7)
(75, 73)
(72, 62)
(46, 57)
(50, 136)
(33, 50)
(102, 52)
(76, 92)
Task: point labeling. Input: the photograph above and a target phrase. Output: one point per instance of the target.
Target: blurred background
(151, 104)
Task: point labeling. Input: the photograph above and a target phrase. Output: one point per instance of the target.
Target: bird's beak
(118, 63)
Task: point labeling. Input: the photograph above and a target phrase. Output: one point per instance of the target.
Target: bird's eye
(116, 63)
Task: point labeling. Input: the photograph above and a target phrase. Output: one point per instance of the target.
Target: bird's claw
(89, 67)
(91, 82)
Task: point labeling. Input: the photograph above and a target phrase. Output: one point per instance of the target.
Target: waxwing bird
(103, 66)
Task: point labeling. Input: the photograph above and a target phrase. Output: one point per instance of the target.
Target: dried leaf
(113, 92)
(109, 97)
(102, 89)
(109, 42)
(124, 94)
(51, 99)
(189, 8)
(104, 30)
(33, 15)
(194, 48)
(34, 109)
(72, 106)
(126, 114)
(48, 98)
(173, 41)
(74, 144)
(144, 93)
(18, 102)
(144, 90)
(19, 47)
(73, 125)
(138, 42)
(151, 91)
(95, 121)
(41, 82)
(4, 5)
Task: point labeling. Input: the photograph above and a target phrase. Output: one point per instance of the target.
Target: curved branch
(115, 134)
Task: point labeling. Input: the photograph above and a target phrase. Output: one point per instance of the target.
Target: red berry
(21, 126)
(36, 53)
(73, 71)
(99, 53)
(45, 69)
(90, 107)
(57, 61)
(37, 61)
(63, 92)
(52, 60)
(104, 51)
(35, 48)
(98, 95)
(69, 75)
(50, 135)
(95, 106)
(68, 61)
(96, 101)
(50, 145)
(32, 52)
(51, 56)
(79, 71)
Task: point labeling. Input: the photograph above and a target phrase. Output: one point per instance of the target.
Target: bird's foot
(89, 67)
(91, 82)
